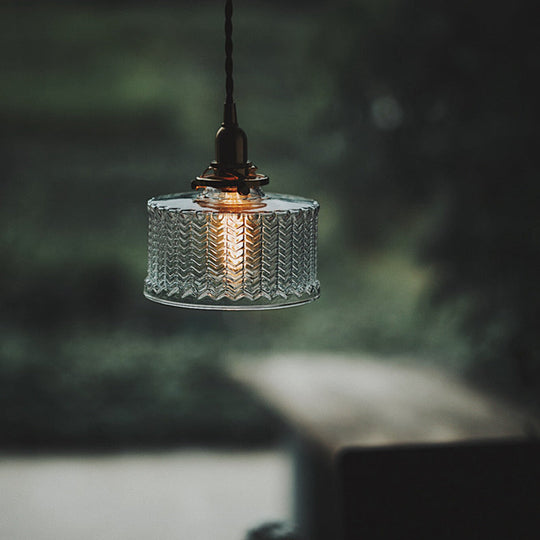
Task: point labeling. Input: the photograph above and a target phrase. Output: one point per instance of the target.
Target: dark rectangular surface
(444, 491)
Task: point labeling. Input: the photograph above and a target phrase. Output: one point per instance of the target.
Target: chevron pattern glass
(221, 250)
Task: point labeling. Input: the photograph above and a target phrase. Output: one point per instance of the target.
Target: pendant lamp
(227, 245)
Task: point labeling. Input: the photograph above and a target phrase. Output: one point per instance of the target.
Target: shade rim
(231, 307)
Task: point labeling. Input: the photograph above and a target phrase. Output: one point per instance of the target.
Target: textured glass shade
(221, 250)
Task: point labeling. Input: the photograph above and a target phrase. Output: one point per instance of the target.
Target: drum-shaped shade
(215, 249)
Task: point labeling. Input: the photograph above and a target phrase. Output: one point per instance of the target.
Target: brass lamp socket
(231, 170)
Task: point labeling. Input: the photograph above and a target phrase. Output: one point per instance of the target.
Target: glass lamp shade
(216, 249)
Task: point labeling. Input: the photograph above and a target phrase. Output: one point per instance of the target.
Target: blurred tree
(440, 105)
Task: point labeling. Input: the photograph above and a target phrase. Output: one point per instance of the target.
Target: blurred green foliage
(397, 117)
(108, 390)
(446, 101)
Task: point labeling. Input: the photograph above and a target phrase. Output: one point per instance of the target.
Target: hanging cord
(231, 168)
(229, 84)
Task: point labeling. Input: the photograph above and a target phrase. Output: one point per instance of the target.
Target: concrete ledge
(346, 400)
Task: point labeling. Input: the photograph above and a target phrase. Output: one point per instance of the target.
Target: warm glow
(235, 229)
(233, 249)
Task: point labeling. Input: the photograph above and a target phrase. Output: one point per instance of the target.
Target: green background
(412, 123)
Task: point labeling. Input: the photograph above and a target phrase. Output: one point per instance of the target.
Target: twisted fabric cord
(229, 84)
